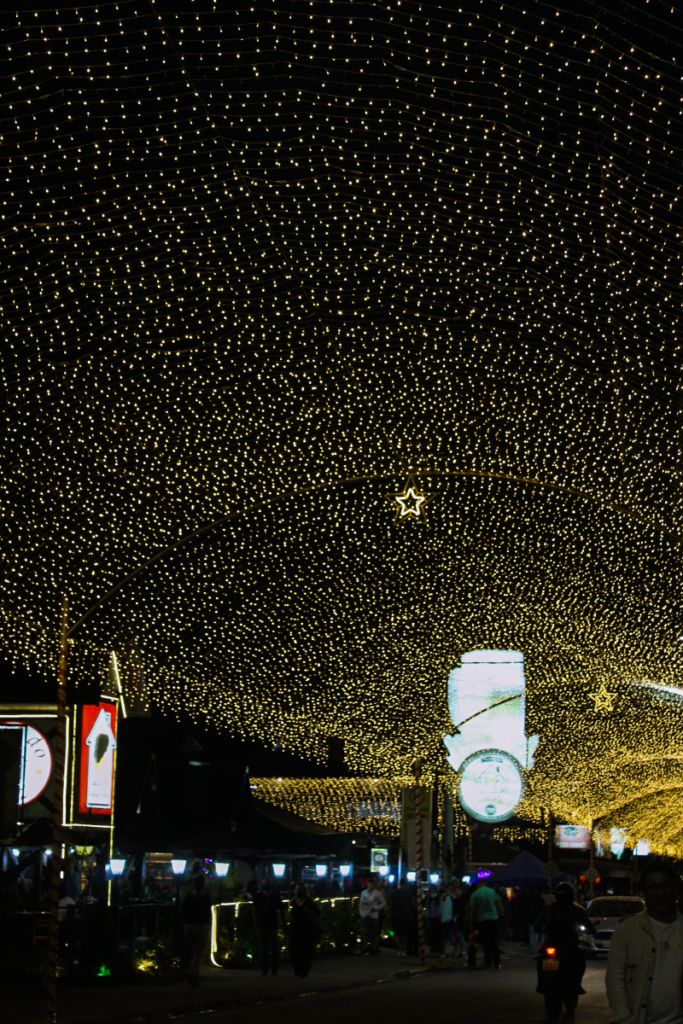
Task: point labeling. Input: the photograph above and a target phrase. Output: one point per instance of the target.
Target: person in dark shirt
(266, 907)
(195, 912)
(400, 916)
(304, 931)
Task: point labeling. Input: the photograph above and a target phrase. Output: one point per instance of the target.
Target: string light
(257, 271)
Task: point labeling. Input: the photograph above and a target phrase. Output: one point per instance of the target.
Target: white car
(605, 913)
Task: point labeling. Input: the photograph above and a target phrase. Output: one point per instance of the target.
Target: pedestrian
(505, 910)
(470, 928)
(459, 904)
(371, 903)
(265, 908)
(432, 914)
(400, 916)
(413, 928)
(487, 910)
(195, 912)
(533, 908)
(72, 880)
(447, 947)
(304, 931)
(645, 959)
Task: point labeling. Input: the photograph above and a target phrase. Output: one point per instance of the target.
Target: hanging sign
(97, 758)
(489, 749)
(573, 837)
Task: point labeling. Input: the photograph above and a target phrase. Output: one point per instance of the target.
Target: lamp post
(117, 866)
(178, 866)
(418, 799)
(222, 868)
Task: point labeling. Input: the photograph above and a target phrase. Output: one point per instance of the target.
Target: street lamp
(434, 878)
(321, 870)
(383, 870)
(178, 868)
(411, 876)
(279, 870)
(345, 870)
(222, 867)
(116, 868)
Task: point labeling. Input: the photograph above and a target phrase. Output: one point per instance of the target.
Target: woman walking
(304, 931)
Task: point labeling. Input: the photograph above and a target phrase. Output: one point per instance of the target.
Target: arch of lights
(251, 254)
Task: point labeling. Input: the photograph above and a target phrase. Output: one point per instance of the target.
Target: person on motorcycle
(561, 964)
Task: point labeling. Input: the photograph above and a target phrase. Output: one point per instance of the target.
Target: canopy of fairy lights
(340, 339)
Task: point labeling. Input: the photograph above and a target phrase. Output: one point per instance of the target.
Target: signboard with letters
(36, 736)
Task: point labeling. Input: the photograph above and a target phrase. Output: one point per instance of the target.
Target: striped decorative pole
(58, 777)
(441, 796)
(418, 801)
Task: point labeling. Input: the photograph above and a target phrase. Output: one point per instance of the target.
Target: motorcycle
(559, 978)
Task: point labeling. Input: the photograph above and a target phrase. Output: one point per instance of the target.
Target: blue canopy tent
(525, 869)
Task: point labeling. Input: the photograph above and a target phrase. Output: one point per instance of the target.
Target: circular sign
(37, 764)
(490, 785)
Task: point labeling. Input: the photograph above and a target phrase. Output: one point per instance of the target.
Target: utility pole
(58, 776)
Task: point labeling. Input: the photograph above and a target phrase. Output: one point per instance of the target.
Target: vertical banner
(11, 743)
(96, 759)
(416, 812)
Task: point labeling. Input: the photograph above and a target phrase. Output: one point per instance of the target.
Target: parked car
(605, 913)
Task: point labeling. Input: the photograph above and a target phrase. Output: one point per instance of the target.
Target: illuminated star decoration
(410, 503)
(603, 699)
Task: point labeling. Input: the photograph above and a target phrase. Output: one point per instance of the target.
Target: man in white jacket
(645, 962)
(372, 902)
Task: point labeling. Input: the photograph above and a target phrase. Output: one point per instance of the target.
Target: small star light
(410, 503)
(603, 699)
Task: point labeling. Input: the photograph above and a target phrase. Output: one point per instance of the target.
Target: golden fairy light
(254, 270)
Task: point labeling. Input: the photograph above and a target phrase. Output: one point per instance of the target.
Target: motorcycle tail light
(551, 951)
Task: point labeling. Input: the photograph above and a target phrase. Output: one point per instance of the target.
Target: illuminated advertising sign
(97, 758)
(489, 748)
(379, 858)
(573, 837)
(490, 786)
(617, 841)
(36, 786)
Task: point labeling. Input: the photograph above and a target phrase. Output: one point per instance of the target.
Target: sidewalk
(152, 1001)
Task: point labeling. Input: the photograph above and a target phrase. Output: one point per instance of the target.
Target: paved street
(339, 990)
(505, 997)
